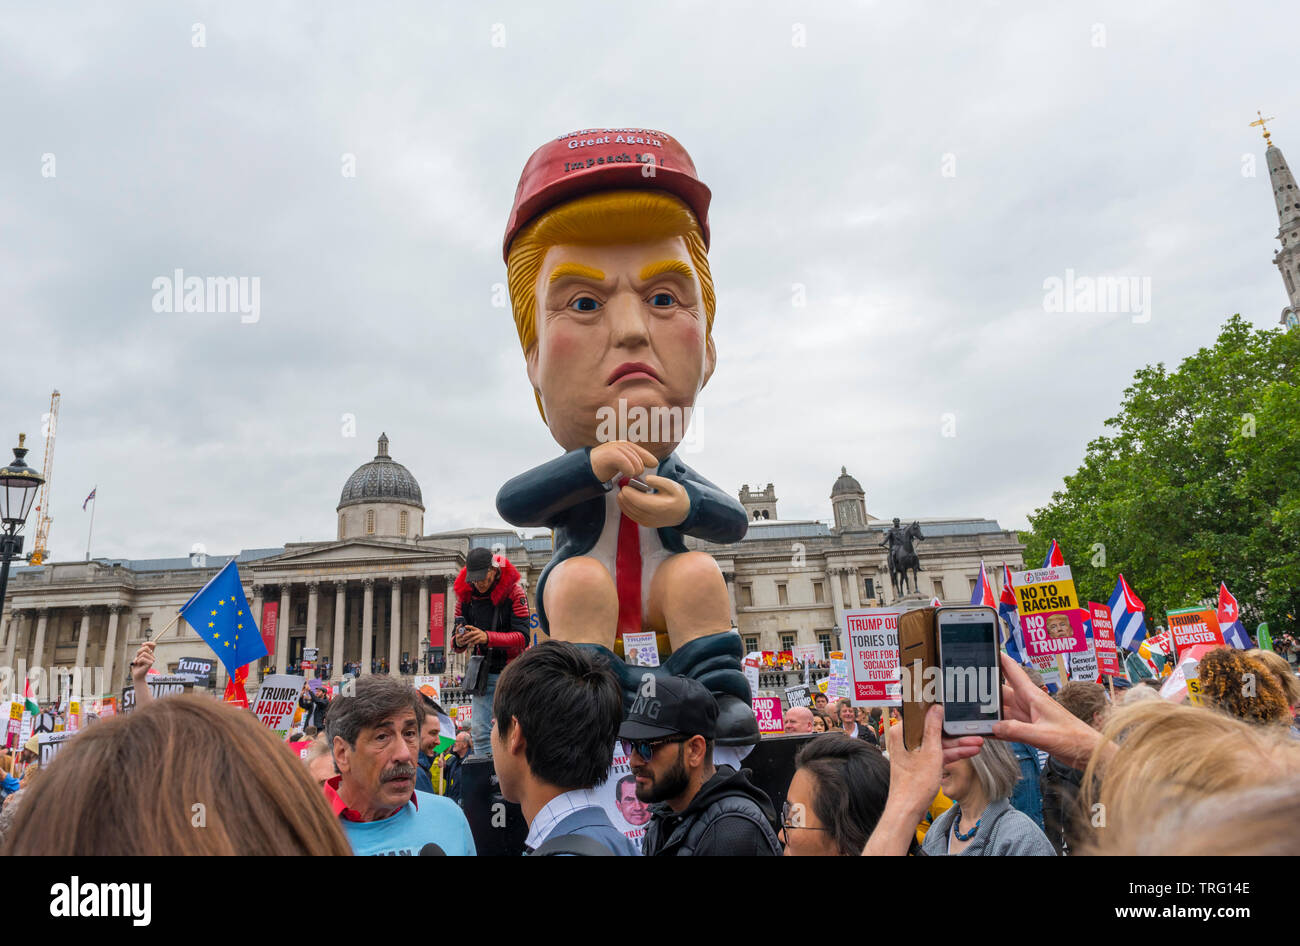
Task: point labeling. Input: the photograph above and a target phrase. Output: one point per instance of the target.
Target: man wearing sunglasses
(698, 809)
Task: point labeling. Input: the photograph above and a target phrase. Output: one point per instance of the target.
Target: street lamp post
(18, 486)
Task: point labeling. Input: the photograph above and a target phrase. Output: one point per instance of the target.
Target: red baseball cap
(602, 159)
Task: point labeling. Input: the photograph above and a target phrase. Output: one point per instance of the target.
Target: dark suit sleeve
(714, 516)
(538, 497)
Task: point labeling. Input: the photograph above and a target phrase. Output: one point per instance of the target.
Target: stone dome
(845, 484)
(381, 480)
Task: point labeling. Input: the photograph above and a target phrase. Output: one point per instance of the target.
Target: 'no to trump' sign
(1049, 611)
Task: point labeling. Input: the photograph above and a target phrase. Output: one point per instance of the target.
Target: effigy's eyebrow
(575, 269)
(667, 266)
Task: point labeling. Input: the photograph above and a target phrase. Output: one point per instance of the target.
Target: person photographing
(492, 620)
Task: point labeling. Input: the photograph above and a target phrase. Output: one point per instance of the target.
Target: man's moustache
(401, 771)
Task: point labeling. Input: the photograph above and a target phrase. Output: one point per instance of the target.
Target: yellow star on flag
(214, 613)
(210, 623)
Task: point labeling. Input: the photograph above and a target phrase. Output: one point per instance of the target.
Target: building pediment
(360, 551)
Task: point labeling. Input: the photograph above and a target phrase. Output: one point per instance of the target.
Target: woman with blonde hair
(1187, 780)
(184, 775)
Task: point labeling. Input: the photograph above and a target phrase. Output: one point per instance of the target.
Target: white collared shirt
(556, 810)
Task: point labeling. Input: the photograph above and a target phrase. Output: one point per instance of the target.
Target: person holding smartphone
(492, 618)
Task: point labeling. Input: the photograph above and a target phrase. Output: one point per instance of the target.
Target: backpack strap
(577, 845)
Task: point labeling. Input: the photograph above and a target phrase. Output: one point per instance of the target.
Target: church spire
(1287, 199)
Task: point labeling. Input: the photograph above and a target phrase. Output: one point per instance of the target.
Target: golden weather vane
(1261, 124)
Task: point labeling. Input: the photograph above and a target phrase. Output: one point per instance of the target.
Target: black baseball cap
(477, 564)
(678, 706)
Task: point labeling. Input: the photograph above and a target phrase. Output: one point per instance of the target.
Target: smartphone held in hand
(971, 678)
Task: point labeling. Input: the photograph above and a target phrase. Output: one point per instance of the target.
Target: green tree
(1196, 482)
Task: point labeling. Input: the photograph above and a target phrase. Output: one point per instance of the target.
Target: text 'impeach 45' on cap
(673, 706)
(602, 159)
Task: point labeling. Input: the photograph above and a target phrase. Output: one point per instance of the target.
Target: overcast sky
(919, 169)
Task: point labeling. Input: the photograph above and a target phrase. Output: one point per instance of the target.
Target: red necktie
(627, 574)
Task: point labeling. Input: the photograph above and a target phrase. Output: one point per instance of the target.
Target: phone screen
(969, 653)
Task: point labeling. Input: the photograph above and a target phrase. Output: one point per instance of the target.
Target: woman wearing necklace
(981, 821)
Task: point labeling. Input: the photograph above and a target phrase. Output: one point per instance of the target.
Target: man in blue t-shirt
(374, 735)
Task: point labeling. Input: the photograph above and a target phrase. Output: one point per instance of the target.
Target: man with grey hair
(451, 765)
(374, 736)
(320, 761)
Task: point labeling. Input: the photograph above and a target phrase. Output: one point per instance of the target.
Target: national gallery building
(380, 592)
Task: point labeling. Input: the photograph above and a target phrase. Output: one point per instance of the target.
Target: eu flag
(219, 612)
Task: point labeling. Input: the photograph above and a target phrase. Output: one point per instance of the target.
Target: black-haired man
(698, 809)
(556, 715)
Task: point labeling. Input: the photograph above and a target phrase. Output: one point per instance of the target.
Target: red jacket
(509, 629)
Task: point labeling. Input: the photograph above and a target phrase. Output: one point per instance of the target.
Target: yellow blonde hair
(1171, 757)
(608, 217)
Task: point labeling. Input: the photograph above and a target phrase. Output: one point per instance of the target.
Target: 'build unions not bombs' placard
(873, 657)
(1049, 611)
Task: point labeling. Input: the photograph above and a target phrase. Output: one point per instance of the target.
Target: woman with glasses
(835, 798)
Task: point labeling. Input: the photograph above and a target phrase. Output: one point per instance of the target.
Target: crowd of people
(1086, 770)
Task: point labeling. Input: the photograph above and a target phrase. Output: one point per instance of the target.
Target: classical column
(282, 632)
(367, 623)
(837, 593)
(83, 638)
(340, 615)
(730, 579)
(110, 645)
(11, 647)
(8, 636)
(853, 587)
(422, 610)
(449, 616)
(313, 597)
(395, 628)
(38, 650)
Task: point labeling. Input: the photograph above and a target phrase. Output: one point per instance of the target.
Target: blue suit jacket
(565, 496)
(594, 823)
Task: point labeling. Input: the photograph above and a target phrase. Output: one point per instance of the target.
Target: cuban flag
(1015, 645)
(1054, 557)
(983, 593)
(88, 499)
(1234, 632)
(1127, 616)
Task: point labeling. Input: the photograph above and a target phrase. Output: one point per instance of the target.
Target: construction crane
(42, 510)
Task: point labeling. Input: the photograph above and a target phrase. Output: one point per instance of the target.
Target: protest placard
(200, 668)
(50, 743)
(1083, 665)
(15, 723)
(1191, 626)
(840, 681)
(1103, 640)
(873, 657)
(784, 658)
(641, 648)
(1049, 611)
(753, 663)
(798, 696)
(807, 653)
(1048, 670)
(617, 795)
(462, 713)
(767, 710)
(160, 685)
(430, 685)
(277, 701)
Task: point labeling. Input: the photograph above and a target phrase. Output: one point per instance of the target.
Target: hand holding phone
(971, 678)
